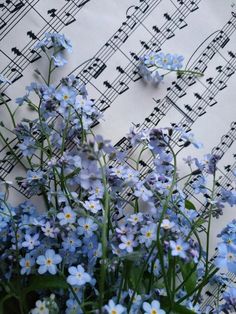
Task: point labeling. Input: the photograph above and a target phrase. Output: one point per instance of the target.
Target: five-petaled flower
(48, 262)
(153, 308)
(78, 277)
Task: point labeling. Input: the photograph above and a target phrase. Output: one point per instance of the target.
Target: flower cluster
(161, 62)
(111, 237)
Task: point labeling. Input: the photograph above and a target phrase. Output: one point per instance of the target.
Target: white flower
(113, 308)
(135, 218)
(166, 224)
(153, 308)
(128, 243)
(148, 235)
(92, 206)
(40, 308)
(78, 277)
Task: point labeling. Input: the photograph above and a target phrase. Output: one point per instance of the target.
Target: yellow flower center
(148, 234)
(65, 97)
(49, 261)
(154, 312)
(27, 264)
(113, 312)
(86, 227)
(179, 248)
(68, 216)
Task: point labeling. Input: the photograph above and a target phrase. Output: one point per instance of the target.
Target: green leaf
(176, 308)
(189, 205)
(191, 280)
(45, 282)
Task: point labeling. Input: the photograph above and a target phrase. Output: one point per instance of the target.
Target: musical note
(124, 87)
(71, 19)
(122, 35)
(32, 35)
(18, 74)
(95, 69)
(16, 7)
(5, 98)
(66, 20)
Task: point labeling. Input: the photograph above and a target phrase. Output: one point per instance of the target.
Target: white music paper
(109, 37)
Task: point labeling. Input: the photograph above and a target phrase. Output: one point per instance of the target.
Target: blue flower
(78, 277)
(26, 263)
(93, 206)
(164, 61)
(28, 146)
(67, 217)
(199, 185)
(112, 308)
(128, 243)
(211, 161)
(71, 242)
(59, 40)
(31, 241)
(48, 262)
(228, 196)
(156, 78)
(150, 58)
(230, 296)
(135, 218)
(35, 176)
(153, 308)
(142, 192)
(66, 95)
(189, 137)
(226, 258)
(179, 248)
(177, 62)
(58, 60)
(86, 226)
(144, 72)
(73, 307)
(148, 234)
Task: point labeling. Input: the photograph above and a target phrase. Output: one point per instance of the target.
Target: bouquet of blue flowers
(110, 238)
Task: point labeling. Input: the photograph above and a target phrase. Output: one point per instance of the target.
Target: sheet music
(108, 39)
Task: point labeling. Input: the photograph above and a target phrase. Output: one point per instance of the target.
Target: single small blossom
(179, 248)
(49, 231)
(113, 308)
(128, 243)
(226, 258)
(148, 234)
(26, 263)
(166, 224)
(78, 277)
(41, 308)
(68, 216)
(153, 308)
(86, 226)
(135, 218)
(48, 262)
(142, 192)
(31, 241)
(93, 206)
(58, 60)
